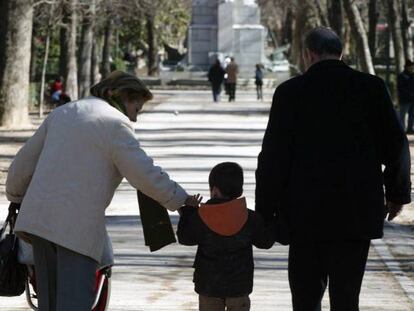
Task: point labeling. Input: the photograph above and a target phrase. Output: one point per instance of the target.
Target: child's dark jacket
(224, 232)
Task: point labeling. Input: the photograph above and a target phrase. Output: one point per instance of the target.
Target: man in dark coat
(319, 175)
(405, 85)
(216, 78)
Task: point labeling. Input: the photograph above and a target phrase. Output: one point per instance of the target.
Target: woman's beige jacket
(66, 175)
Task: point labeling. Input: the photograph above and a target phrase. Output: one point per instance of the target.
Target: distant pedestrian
(259, 81)
(227, 61)
(56, 89)
(320, 176)
(405, 85)
(232, 71)
(224, 230)
(216, 77)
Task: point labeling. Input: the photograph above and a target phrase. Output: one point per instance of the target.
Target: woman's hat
(119, 80)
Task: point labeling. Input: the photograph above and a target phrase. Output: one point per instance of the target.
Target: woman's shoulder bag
(13, 275)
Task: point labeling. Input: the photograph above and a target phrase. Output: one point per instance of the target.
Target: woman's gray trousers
(65, 279)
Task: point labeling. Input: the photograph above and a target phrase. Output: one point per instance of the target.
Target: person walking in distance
(232, 71)
(320, 178)
(216, 77)
(259, 82)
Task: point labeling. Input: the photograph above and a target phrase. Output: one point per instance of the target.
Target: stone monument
(202, 34)
(222, 28)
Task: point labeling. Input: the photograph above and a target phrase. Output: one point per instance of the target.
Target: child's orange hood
(225, 218)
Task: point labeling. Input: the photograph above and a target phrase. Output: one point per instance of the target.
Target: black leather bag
(13, 275)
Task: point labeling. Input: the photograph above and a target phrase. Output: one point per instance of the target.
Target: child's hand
(194, 200)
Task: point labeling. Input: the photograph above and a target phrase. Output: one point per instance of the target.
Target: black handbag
(13, 275)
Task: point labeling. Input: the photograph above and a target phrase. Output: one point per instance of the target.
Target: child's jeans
(224, 304)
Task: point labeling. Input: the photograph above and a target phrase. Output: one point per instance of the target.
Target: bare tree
(85, 54)
(306, 18)
(95, 60)
(63, 42)
(288, 27)
(394, 21)
(108, 38)
(336, 17)
(373, 16)
(152, 63)
(14, 81)
(360, 35)
(321, 13)
(407, 34)
(71, 78)
(33, 54)
(49, 28)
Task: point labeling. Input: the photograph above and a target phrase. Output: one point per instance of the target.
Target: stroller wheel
(102, 289)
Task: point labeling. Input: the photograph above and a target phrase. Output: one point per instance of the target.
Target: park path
(187, 135)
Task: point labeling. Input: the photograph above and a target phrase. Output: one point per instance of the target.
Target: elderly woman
(66, 175)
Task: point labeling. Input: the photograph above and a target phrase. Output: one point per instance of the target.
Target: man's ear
(215, 192)
(306, 57)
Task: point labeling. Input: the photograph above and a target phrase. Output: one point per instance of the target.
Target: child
(224, 230)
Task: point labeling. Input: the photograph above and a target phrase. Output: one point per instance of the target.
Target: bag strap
(11, 217)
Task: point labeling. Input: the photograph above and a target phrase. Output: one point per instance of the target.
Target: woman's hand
(193, 200)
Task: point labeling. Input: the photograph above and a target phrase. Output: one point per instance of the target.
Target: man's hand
(392, 210)
(193, 200)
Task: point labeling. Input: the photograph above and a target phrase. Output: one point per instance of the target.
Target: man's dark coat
(216, 75)
(320, 169)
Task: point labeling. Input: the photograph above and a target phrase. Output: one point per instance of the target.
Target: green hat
(117, 82)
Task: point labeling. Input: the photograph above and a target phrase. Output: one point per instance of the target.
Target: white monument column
(241, 35)
(226, 28)
(202, 33)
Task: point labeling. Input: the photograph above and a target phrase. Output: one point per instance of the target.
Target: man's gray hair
(323, 41)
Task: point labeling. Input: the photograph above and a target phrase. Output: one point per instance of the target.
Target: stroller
(102, 288)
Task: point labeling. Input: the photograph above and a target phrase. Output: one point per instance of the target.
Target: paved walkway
(187, 134)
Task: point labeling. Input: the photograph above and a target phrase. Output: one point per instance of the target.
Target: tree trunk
(45, 58)
(96, 52)
(287, 27)
(152, 49)
(388, 58)
(346, 51)
(63, 44)
(303, 23)
(336, 17)
(406, 32)
(321, 13)
(14, 90)
(33, 56)
(4, 6)
(71, 79)
(107, 47)
(85, 55)
(394, 21)
(42, 83)
(360, 35)
(372, 28)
